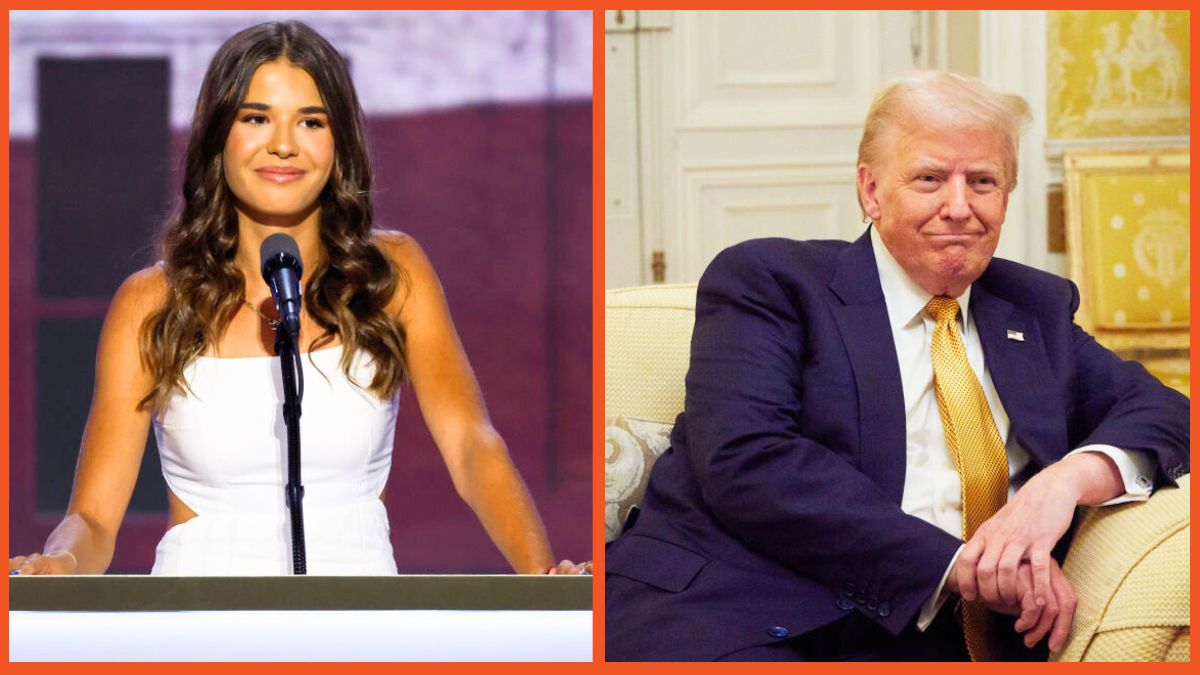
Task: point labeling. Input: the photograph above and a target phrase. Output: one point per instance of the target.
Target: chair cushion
(630, 448)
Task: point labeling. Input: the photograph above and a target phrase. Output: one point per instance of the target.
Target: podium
(306, 618)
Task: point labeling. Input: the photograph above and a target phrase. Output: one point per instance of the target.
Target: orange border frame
(598, 336)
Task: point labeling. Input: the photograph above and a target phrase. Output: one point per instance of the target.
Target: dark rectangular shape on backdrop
(102, 170)
(66, 357)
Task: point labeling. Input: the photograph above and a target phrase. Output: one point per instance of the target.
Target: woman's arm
(113, 441)
(454, 411)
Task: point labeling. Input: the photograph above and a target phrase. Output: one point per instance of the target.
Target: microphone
(282, 269)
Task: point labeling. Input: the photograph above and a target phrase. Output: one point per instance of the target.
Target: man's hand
(1025, 529)
(1035, 621)
(1028, 527)
(1054, 618)
(1058, 622)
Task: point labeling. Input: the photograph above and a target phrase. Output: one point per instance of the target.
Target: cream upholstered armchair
(1129, 564)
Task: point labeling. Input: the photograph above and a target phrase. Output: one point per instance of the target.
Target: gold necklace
(274, 322)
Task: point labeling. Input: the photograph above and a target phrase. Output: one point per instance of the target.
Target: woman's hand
(568, 567)
(59, 562)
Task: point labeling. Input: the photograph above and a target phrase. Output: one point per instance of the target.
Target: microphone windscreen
(275, 251)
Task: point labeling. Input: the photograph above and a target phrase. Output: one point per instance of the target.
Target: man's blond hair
(934, 97)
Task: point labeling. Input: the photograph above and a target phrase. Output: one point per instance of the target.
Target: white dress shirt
(931, 483)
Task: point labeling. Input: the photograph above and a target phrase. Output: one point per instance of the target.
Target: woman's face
(279, 152)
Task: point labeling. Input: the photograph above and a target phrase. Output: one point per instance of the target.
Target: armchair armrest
(1130, 567)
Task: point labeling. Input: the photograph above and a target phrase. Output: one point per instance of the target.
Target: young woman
(277, 146)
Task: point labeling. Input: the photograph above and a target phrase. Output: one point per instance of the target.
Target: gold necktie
(978, 449)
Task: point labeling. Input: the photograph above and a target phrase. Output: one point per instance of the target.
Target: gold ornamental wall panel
(1128, 245)
(1118, 73)
(1141, 263)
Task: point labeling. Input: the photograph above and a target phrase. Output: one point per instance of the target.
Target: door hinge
(658, 266)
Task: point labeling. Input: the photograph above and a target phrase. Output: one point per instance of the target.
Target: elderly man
(884, 441)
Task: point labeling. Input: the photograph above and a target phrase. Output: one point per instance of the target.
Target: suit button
(872, 603)
(778, 632)
(860, 597)
(884, 609)
(844, 604)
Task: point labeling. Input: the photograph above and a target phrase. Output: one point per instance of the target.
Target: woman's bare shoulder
(388, 238)
(420, 280)
(395, 244)
(404, 251)
(140, 294)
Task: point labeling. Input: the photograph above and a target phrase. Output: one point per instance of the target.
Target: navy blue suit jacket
(776, 509)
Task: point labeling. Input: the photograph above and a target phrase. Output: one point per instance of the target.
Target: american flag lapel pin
(1016, 335)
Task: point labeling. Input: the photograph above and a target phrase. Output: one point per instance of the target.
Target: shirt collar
(905, 299)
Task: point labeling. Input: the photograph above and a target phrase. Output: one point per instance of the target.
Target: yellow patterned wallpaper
(1141, 255)
(1118, 73)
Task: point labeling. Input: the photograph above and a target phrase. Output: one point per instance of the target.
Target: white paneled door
(723, 126)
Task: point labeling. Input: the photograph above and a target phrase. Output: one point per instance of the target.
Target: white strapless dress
(224, 454)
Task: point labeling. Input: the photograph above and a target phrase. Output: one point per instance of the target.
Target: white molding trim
(656, 19)
(793, 110)
(1055, 147)
(940, 28)
(693, 178)
(622, 182)
(1012, 57)
(657, 149)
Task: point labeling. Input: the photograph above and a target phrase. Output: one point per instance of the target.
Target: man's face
(937, 196)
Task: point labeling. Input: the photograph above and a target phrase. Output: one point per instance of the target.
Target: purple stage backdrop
(480, 130)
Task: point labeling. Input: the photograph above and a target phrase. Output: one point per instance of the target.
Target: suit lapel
(862, 320)
(1020, 371)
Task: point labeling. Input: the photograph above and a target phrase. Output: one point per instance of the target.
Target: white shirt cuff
(930, 609)
(1136, 468)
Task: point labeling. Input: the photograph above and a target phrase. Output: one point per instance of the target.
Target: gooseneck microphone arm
(282, 270)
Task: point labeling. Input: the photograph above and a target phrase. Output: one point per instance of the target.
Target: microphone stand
(293, 375)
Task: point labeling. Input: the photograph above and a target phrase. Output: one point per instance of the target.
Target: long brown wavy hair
(349, 290)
